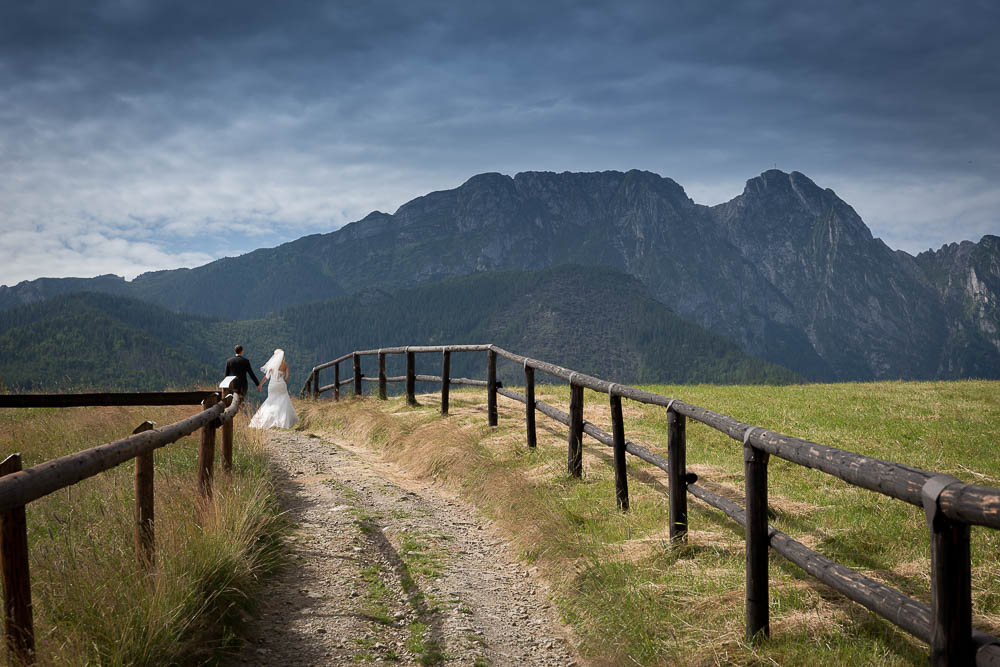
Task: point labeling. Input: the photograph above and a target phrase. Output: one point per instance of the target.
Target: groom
(239, 366)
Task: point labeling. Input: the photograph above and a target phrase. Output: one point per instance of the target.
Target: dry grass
(93, 602)
(634, 598)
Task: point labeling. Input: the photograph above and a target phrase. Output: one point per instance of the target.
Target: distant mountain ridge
(92, 340)
(787, 270)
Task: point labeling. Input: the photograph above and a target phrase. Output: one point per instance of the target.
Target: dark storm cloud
(144, 122)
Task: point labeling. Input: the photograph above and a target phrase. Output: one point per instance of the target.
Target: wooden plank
(334, 362)
(757, 612)
(469, 382)
(530, 432)
(912, 616)
(951, 580)
(677, 475)
(491, 387)
(425, 349)
(590, 429)
(382, 394)
(971, 503)
(968, 503)
(574, 456)
(618, 435)
(144, 536)
(14, 568)
(206, 452)
(445, 380)
(987, 649)
(227, 435)
(951, 594)
(102, 399)
(23, 487)
(357, 374)
(411, 398)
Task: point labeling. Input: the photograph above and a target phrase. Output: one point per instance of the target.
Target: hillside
(93, 341)
(787, 270)
(594, 320)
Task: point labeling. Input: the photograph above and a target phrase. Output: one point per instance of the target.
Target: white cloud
(916, 214)
(125, 150)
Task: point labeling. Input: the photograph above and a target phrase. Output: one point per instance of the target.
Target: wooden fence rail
(950, 505)
(19, 487)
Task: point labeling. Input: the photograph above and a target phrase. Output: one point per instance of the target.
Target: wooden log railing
(20, 487)
(950, 505)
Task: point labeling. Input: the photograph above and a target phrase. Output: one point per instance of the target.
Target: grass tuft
(93, 601)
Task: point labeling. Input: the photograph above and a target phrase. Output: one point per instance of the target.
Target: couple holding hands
(277, 411)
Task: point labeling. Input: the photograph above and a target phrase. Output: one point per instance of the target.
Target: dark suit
(240, 366)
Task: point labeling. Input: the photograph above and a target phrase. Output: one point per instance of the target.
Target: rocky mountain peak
(779, 207)
(787, 269)
(489, 179)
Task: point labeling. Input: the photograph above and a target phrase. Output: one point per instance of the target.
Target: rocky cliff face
(866, 310)
(787, 269)
(966, 278)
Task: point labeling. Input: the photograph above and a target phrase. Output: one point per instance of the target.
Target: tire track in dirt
(389, 570)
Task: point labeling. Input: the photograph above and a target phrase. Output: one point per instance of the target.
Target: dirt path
(389, 570)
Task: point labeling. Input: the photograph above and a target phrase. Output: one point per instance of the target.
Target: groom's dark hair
(238, 349)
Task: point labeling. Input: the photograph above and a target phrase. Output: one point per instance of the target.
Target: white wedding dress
(277, 411)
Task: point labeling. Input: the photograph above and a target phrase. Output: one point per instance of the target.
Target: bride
(277, 410)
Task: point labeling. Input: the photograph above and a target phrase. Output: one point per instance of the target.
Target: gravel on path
(385, 569)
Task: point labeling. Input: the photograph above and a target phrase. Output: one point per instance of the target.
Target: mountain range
(609, 326)
(786, 270)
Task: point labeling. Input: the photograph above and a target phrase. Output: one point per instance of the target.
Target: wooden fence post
(618, 436)
(336, 381)
(18, 625)
(575, 454)
(529, 406)
(755, 473)
(677, 475)
(144, 537)
(951, 580)
(315, 384)
(206, 450)
(357, 374)
(381, 375)
(491, 387)
(227, 435)
(445, 380)
(411, 397)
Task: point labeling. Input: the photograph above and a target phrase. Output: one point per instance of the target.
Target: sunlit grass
(629, 594)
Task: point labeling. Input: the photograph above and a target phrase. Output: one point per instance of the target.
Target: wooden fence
(950, 505)
(19, 487)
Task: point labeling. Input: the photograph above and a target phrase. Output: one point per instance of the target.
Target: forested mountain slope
(593, 320)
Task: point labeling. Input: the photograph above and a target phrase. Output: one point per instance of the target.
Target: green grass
(93, 602)
(428, 651)
(633, 597)
(377, 595)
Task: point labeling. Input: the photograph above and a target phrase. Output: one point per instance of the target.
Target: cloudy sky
(145, 134)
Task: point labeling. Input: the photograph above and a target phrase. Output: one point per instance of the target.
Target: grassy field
(93, 603)
(634, 599)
